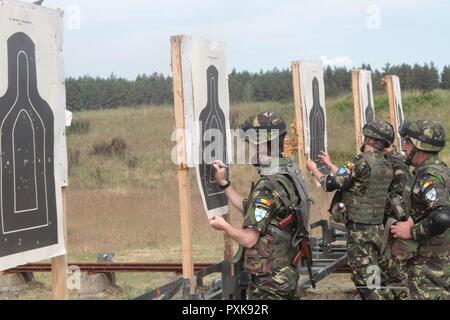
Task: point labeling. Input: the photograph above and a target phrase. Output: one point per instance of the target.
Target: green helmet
(426, 135)
(263, 127)
(381, 131)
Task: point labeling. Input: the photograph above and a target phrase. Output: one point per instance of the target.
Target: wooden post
(388, 81)
(299, 116)
(59, 264)
(319, 209)
(357, 108)
(183, 170)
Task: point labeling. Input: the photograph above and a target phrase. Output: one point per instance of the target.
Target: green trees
(274, 85)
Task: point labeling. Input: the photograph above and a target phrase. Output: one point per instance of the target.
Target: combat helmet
(263, 127)
(381, 131)
(425, 135)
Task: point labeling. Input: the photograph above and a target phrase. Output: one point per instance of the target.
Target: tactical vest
(436, 246)
(369, 208)
(274, 249)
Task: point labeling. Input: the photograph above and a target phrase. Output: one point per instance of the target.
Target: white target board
(314, 111)
(366, 97)
(32, 124)
(399, 115)
(206, 111)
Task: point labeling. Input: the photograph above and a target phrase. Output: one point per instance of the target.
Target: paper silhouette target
(206, 113)
(366, 97)
(212, 134)
(399, 115)
(31, 114)
(313, 104)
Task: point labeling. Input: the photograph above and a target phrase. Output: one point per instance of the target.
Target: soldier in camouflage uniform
(362, 186)
(268, 252)
(396, 251)
(427, 201)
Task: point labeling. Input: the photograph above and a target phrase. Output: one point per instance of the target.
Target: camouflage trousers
(394, 270)
(363, 249)
(279, 285)
(429, 278)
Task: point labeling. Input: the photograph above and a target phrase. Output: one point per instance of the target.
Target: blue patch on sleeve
(342, 171)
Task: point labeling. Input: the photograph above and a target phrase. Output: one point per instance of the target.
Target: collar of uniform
(434, 159)
(272, 166)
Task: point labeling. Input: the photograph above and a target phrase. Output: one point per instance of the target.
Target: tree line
(275, 85)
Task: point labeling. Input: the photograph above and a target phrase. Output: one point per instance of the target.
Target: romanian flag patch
(263, 201)
(425, 185)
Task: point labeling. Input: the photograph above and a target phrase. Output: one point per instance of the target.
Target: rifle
(300, 240)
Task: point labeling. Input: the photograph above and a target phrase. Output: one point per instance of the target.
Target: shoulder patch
(260, 214)
(342, 171)
(349, 165)
(425, 184)
(263, 201)
(431, 195)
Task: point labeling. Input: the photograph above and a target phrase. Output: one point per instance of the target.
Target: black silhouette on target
(317, 128)
(27, 198)
(369, 109)
(213, 127)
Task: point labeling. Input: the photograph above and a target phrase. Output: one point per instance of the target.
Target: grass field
(124, 198)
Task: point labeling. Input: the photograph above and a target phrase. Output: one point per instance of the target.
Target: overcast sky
(130, 37)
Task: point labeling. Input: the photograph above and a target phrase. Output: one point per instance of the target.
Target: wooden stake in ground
(183, 170)
(59, 264)
(319, 209)
(357, 109)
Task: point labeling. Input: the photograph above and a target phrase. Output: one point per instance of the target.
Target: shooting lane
(397, 116)
(201, 100)
(363, 102)
(310, 128)
(34, 156)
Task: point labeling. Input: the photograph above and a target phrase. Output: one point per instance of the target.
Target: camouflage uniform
(269, 261)
(362, 185)
(397, 251)
(427, 200)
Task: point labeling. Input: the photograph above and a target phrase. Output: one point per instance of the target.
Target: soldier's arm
(346, 175)
(235, 198)
(434, 192)
(246, 237)
(262, 205)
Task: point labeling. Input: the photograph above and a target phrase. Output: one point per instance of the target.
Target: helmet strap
(410, 157)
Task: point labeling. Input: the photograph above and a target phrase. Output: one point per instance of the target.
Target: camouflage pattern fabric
(269, 261)
(429, 278)
(363, 248)
(425, 135)
(397, 251)
(263, 127)
(364, 241)
(280, 285)
(379, 130)
(352, 176)
(402, 174)
(429, 271)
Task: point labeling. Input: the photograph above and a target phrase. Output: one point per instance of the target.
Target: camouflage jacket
(428, 191)
(402, 175)
(263, 208)
(362, 189)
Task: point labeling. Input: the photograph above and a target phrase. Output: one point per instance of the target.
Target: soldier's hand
(402, 230)
(325, 158)
(219, 171)
(217, 223)
(311, 165)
